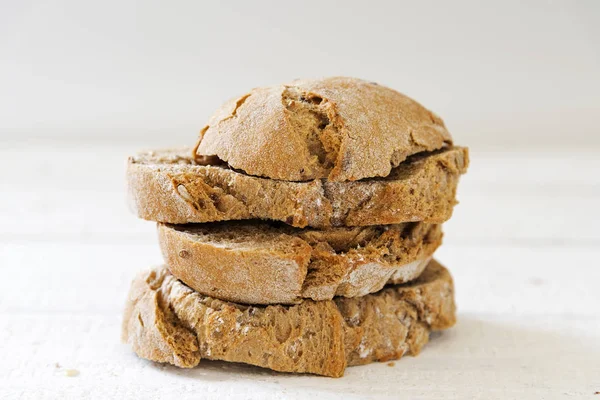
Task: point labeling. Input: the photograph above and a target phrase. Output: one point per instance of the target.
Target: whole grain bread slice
(170, 186)
(166, 321)
(263, 263)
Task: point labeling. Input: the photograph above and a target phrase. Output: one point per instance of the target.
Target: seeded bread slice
(259, 263)
(170, 186)
(166, 321)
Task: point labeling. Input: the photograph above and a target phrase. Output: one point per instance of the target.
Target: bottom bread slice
(166, 321)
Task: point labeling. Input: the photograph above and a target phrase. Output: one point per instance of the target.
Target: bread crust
(169, 186)
(166, 321)
(259, 263)
(342, 129)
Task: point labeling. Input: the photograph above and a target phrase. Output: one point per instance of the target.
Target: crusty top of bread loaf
(335, 128)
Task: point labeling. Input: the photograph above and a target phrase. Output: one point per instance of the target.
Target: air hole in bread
(315, 99)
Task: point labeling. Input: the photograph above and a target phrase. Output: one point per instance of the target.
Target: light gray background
(502, 74)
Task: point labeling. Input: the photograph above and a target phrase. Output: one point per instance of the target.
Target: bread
(342, 129)
(258, 263)
(170, 186)
(165, 321)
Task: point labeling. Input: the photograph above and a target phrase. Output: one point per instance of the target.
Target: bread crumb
(391, 364)
(67, 372)
(71, 372)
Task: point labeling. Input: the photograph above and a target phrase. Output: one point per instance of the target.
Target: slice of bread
(170, 186)
(168, 322)
(342, 129)
(259, 263)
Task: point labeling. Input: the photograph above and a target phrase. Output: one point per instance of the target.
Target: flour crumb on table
(71, 373)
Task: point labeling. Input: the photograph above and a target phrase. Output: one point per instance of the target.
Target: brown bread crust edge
(258, 263)
(165, 321)
(169, 186)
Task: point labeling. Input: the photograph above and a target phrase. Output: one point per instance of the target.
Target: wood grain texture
(523, 247)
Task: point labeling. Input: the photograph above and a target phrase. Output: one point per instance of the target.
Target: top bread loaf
(339, 129)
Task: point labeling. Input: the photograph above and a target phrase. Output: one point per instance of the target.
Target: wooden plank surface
(522, 246)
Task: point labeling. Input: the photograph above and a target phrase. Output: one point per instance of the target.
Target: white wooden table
(523, 247)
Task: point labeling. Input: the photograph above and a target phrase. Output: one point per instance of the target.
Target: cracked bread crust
(170, 186)
(341, 129)
(258, 263)
(167, 322)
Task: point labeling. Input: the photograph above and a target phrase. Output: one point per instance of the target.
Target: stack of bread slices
(298, 233)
